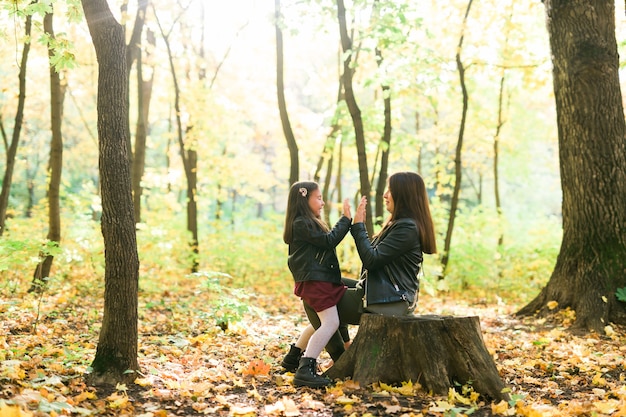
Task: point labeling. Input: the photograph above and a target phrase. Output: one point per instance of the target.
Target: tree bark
(116, 353)
(355, 113)
(496, 160)
(189, 157)
(591, 263)
(17, 128)
(144, 93)
(438, 352)
(328, 154)
(386, 146)
(55, 165)
(458, 166)
(294, 172)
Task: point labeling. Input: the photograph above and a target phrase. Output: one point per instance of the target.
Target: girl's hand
(346, 208)
(359, 216)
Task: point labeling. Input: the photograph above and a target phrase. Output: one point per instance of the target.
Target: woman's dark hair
(298, 206)
(410, 200)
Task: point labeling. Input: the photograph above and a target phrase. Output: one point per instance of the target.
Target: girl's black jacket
(391, 262)
(312, 255)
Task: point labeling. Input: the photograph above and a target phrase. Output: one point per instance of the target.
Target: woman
(392, 259)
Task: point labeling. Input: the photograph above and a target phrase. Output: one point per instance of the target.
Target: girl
(315, 268)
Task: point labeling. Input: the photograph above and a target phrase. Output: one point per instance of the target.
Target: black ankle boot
(291, 361)
(306, 375)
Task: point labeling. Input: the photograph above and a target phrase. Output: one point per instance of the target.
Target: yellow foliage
(85, 395)
(501, 408)
(242, 411)
(533, 410)
(143, 382)
(454, 396)
(598, 380)
(608, 407)
(117, 401)
(13, 411)
(347, 400)
(406, 389)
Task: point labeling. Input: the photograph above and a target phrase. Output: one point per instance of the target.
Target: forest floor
(190, 365)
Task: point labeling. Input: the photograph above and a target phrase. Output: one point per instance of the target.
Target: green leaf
(621, 294)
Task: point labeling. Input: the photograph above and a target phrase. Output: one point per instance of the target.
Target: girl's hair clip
(303, 191)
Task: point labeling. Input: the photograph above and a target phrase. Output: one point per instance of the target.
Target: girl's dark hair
(410, 200)
(298, 205)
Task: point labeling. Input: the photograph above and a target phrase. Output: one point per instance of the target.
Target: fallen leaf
(13, 411)
(257, 367)
(246, 411)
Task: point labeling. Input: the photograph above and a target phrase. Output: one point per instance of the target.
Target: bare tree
(188, 153)
(454, 202)
(17, 127)
(55, 165)
(355, 112)
(144, 93)
(385, 145)
(294, 171)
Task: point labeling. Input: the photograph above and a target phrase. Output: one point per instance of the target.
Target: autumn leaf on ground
(13, 411)
(407, 388)
(257, 367)
(501, 408)
(283, 407)
(192, 368)
(244, 411)
(351, 385)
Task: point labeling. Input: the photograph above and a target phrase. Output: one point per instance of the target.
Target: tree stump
(439, 352)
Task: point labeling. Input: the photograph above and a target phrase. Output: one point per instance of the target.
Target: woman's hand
(346, 208)
(359, 216)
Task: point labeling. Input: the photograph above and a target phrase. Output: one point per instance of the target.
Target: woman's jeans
(349, 308)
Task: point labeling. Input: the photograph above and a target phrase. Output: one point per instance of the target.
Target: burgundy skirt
(320, 295)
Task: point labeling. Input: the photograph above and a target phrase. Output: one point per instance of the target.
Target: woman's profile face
(388, 200)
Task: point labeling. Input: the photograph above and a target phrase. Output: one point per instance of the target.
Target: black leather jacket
(391, 262)
(312, 255)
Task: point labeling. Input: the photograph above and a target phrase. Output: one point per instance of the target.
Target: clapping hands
(346, 208)
(359, 216)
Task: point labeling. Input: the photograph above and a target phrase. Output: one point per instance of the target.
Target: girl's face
(388, 200)
(316, 203)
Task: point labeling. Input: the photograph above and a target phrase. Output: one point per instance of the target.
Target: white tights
(316, 340)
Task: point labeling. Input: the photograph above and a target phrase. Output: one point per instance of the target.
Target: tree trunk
(294, 172)
(338, 186)
(326, 188)
(192, 205)
(116, 353)
(328, 153)
(17, 128)
(496, 159)
(144, 93)
(438, 352)
(189, 157)
(385, 145)
(458, 166)
(355, 113)
(591, 263)
(55, 165)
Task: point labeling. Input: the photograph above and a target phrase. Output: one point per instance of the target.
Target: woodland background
(229, 92)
